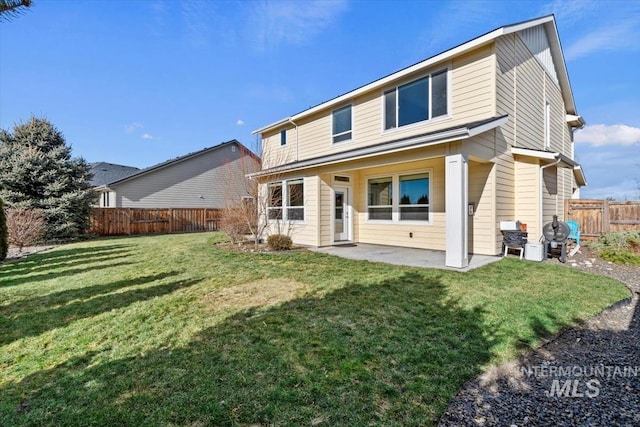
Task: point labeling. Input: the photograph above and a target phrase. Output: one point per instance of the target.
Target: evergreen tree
(37, 171)
(4, 236)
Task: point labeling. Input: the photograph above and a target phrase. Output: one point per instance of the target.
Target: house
(104, 173)
(208, 178)
(435, 155)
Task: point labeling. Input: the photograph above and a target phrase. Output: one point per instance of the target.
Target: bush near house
(279, 242)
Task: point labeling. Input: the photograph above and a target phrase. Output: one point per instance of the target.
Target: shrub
(4, 237)
(620, 247)
(620, 256)
(25, 226)
(279, 242)
(233, 224)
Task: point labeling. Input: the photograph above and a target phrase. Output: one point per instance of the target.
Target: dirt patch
(262, 293)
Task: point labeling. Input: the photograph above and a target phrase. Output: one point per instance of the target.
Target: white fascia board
(578, 173)
(488, 126)
(546, 155)
(575, 121)
(272, 125)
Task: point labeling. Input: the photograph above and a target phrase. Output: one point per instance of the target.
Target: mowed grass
(172, 330)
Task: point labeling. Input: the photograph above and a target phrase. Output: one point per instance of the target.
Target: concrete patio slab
(411, 257)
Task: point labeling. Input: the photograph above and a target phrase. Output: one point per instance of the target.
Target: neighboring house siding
(214, 176)
(472, 99)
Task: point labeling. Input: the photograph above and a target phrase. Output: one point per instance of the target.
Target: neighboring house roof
(181, 159)
(104, 172)
(556, 53)
(431, 138)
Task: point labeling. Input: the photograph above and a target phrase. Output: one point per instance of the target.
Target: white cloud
(599, 135)
(130, 128)
(148, 136)
(276, 22)
(620, 35)
(240, 122)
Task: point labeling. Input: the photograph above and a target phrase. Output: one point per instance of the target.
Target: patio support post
(456, 219)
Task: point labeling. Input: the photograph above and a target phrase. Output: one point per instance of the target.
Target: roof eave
(489, 37)
(435, 138)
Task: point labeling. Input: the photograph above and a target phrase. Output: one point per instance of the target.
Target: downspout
(297, 146)
(540, 221)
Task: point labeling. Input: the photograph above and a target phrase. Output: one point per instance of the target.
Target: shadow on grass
(51, 265)
(607, 359)
(34, 316)
(391, 353)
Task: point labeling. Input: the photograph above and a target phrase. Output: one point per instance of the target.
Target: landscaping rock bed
(586, 376)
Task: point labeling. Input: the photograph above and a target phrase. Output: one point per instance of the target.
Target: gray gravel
(599, 361)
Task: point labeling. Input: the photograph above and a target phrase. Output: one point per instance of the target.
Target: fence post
(605, 216)
(170, 220)
(128, 223)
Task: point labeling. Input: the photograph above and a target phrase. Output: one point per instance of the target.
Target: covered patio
(424, 258)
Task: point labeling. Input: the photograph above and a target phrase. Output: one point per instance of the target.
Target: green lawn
(170, 330)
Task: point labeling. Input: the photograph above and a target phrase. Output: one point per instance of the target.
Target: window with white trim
(414, 197)
(286, 200)
(274, 207)
(295, 200)
(417, 101)
(399, 198)
(105, 199)
(342, 124)
(380, 198)
(283, 137)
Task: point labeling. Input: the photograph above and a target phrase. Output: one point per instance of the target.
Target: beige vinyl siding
(472, 81)
(481, 224)
(504, 187)
(523, 87)
(550, 197)
(528, 195)
(301, 232)
(426, 236)
(326, 216)
(204, 181)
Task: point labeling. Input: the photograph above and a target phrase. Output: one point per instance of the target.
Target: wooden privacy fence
(595, 217)
(130, 221)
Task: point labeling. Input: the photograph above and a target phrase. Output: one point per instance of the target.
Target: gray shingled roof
(104, 173)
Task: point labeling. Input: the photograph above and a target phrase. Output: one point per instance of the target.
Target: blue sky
(137, 82)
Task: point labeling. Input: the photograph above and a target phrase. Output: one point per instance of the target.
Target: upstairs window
(342, 124)
(417, 101)
(283, 137)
